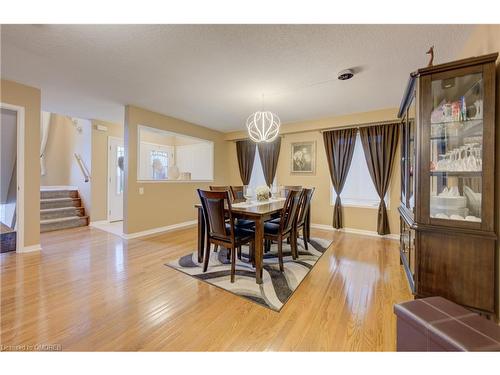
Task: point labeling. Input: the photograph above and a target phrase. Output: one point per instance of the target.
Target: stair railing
(83, 167)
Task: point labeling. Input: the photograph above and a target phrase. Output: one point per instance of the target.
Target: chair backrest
(305, 204)
(287, 189)
(222, 188)
(214, 204)
(290, 211)
(237, 193)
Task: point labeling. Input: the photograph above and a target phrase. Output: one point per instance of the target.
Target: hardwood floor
(90, 290)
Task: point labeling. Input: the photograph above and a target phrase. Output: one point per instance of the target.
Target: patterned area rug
(277, 287)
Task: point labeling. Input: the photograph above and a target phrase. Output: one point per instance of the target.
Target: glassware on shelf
(466, 158)
(456, 147)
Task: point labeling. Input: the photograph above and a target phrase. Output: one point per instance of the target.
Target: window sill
(352, 205)
(173, 181)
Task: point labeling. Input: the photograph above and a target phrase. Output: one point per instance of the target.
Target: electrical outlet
(141, 191)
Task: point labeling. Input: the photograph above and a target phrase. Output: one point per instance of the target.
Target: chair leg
(293, 245)
(252, 253)
(280, 254)
(228, 254)
(216, 248)
(239, 252)
(233, 263)
(206, 257)
(304, 238)
(267, 246)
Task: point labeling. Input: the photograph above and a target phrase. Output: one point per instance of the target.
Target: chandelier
(263, 126)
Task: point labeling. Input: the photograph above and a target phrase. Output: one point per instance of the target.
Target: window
(167, 156)
(159, 164)
(120, 174)
(359, 190)
(257, 178)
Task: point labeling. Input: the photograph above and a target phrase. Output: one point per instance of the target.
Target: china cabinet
(448, 239)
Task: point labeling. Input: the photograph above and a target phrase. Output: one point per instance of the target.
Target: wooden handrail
(83, 168)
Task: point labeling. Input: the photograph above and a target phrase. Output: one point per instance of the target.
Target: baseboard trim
(30, 249)
(168, 228)
(98, 222)
(355, 231)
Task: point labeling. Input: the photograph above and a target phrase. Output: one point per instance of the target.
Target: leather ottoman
(436, 324)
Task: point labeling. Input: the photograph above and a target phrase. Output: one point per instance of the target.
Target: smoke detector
(345, 74)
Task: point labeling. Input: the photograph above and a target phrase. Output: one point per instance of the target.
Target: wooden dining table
(259, 212)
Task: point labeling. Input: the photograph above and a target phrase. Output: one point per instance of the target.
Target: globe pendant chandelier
(263, 126)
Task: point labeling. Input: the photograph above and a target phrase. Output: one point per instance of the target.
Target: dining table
(257, 211)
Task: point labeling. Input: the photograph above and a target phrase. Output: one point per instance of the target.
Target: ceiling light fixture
(263, 126)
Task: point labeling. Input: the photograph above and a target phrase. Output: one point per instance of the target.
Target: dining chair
(241, 223)
(237, 192)
(220, 231)
(287, 189)
(301, 223)
(285, 229)
(223, 188)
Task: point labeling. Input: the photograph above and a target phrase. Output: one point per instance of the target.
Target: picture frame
(303, 157)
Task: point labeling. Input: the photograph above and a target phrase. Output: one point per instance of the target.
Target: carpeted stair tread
(63, 223)
(48, 194)
(59, 212)
(61, 209)
(59, 219)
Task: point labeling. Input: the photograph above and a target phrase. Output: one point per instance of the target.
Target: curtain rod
(248, 139)
(363, 125)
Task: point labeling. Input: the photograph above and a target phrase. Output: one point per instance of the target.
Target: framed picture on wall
(303, 157)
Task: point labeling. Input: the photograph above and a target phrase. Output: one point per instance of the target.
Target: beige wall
(58, 152)
(99, 186)
(486, 39)
(62, 168)
(322, 210)
(164, 203)
(29, 98)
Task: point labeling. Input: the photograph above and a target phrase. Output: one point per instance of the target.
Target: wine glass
(274, 191)
(247, 193)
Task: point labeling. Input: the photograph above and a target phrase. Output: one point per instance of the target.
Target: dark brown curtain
(246, 155)
(379, 145)
(269, 154)
(339, 147)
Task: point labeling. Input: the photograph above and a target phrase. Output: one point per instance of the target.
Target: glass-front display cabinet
(448, 182)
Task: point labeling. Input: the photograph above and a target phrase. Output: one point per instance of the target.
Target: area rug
(276, 288)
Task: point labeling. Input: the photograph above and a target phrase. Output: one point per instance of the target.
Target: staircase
(61, 209)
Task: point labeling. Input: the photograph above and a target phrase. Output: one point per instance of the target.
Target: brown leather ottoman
(436, 324)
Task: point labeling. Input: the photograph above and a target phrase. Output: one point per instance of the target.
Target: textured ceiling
(215, 75)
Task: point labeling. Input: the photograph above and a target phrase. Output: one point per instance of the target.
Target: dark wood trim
(455, 259)
(470, 61)
(405, 102)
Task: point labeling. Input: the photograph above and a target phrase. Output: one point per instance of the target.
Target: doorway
(116, 178)
(11, 177)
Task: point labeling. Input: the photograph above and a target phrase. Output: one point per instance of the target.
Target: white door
(116, 178)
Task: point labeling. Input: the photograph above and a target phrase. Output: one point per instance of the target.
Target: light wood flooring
(90, 290)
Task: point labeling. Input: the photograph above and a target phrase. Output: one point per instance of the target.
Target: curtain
(339, 147)
(269, 154)
(379, 146)
(245, 150)
(44, 136)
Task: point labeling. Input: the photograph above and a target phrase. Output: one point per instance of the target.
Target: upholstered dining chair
(301, 223)
(221, 229)
(285, 228)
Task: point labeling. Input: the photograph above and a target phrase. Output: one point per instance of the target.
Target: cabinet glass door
(411, 156)
(456, 148)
